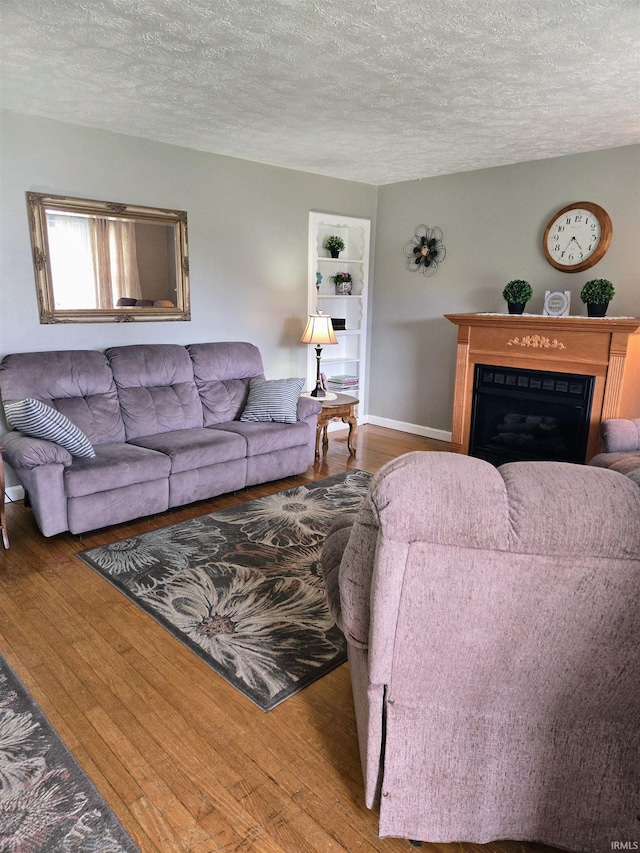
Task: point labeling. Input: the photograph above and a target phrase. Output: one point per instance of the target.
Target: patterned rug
(242, 587)
(47, 803)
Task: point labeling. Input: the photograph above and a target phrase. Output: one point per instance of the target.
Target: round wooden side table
(341, 409)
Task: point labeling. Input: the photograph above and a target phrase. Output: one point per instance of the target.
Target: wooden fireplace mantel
(607, 348)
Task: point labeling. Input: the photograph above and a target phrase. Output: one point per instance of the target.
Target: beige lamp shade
(319, 330)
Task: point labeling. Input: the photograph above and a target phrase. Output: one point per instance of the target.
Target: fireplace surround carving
(607, 349)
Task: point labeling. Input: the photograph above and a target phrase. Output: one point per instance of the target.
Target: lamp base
(318, 392)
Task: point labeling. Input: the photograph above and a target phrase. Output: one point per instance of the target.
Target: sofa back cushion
(78, 383)
(222, 373)
(156, 388)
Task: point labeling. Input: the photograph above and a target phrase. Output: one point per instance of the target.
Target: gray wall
(248, 250)
(493, 222)
(248, 236)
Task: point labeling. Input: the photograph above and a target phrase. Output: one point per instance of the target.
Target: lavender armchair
(620, 447)
(492, 624)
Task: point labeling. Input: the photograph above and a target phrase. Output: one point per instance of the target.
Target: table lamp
(319, 331)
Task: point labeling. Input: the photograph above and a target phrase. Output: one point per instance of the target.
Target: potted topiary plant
(516, 294)
(597, 294)
(343, 283)
(334, 244)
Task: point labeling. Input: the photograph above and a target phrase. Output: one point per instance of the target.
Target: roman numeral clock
(577, 236)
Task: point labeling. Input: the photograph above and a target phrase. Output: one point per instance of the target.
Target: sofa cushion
(190, 449)
(156, 388)
(267, 437)
(41, 421)
(273, 400)
(114, 466)
(222, 372)
(78, 383)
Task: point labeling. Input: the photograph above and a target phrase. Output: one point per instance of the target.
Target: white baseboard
(15, 493)
(416, 429)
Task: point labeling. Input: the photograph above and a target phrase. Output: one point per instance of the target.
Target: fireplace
(604, 353)
(519, 414)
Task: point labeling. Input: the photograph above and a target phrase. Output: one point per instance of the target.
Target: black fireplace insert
(521, 414)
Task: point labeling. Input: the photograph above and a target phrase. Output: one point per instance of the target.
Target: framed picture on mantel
(556, 303)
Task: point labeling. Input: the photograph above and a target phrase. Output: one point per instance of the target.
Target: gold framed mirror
(105, 262)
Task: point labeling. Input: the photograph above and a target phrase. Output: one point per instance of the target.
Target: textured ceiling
(369, 90)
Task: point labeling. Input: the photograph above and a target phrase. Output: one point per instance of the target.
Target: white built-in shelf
(339, 296)
(341, 260)
(349, 354)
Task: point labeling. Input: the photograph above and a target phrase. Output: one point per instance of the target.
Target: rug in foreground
(47, 802)
(243, 587)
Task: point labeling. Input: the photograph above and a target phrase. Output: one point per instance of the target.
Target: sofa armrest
(307, 407)
(348, 558)
(620, 435)
(23, 452)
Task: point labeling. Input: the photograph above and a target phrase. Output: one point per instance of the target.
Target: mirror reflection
(102, 261)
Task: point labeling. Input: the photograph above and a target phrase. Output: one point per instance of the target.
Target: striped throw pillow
(41, 421)
(273, 400)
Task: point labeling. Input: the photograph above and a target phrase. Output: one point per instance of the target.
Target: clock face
(577, 237)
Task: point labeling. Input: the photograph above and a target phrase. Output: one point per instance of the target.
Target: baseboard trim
(15, 493)
(416, 429)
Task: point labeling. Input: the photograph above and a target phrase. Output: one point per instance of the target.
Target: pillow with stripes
(273, 400)
(41, 421)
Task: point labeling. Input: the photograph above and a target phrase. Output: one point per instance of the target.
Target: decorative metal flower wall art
(425, 251)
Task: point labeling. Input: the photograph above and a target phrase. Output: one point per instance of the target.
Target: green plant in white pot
(334, 244)
(516, 294)
(597, 294)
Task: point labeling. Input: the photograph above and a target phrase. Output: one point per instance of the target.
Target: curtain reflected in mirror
(102, 261)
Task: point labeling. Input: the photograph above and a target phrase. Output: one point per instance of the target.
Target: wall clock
(577, 236)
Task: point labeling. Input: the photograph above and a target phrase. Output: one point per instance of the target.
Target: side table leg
(3, 518)
(350, 419)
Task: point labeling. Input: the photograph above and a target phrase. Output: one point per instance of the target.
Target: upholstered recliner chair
(620, 449)
(493, 626)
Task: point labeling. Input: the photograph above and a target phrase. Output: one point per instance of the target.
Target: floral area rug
(242, 587)
(47, 803)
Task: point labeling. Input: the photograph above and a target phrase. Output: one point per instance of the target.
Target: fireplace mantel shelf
(607, 348)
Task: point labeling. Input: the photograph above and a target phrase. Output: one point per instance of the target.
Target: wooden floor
(186, 762)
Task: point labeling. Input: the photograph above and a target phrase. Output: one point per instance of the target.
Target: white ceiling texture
(368, 90)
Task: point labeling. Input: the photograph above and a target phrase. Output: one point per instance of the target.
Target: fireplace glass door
(523, 414)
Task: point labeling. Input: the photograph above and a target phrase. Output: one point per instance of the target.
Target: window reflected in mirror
(102, 261)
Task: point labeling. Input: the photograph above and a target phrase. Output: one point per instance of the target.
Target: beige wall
(493, 222)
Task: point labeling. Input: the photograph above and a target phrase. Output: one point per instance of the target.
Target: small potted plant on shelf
(516, 294)
(334, 244)
(343, 283)
(597, 294)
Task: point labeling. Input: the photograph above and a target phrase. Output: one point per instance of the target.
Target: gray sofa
(164, 422)
(491, 618)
